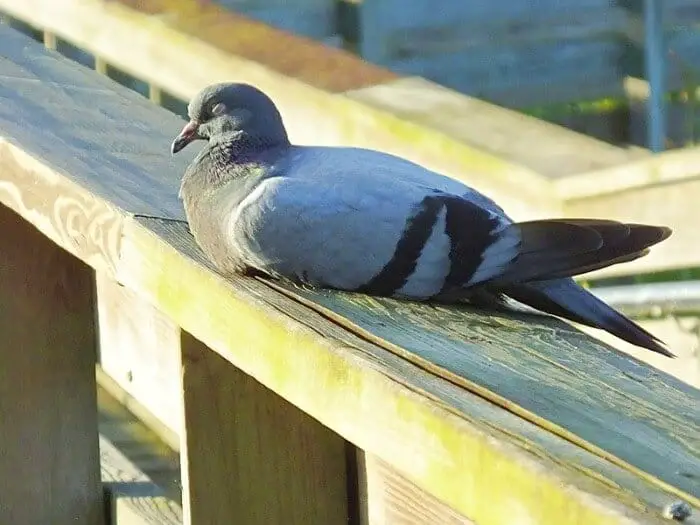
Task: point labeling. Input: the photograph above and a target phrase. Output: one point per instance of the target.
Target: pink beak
(187, 135)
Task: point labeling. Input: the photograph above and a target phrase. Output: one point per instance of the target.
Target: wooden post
(155, 94)
(49, 457)
(50, 40)
(248, 456)
(100, 65)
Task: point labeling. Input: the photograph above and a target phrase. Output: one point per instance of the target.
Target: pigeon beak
(187, 135)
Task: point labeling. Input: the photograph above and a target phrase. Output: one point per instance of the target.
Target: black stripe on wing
(395, 273)
(471, 230)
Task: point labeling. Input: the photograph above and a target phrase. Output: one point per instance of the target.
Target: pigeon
(366, 221)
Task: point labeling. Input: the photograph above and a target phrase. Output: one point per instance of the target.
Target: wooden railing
(288, 406)
(532, 168)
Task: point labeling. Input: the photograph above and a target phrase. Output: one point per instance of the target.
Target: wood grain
(140, 350)
(461, 448)
(66, 213)
(476, 409)
(546, 371)
(523, 55)
(49, 462)
(392, 499)
(251, 457)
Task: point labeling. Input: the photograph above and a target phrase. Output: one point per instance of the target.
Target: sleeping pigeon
(366, 221)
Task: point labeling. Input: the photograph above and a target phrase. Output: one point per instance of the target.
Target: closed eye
(218, 109)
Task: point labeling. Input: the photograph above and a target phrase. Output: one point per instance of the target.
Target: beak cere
(187, 135)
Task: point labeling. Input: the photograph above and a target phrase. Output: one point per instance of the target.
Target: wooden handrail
(482, 416)
(532, 167)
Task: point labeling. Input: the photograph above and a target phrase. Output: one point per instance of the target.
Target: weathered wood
(364, 401)
(519, 55)
(251, 457)
(680, 333)
(133, 434)
(545, 148)
(391, 499)
(311, 18)
(429, 421)
(49, 462)
(140, 350)
(132, 498)
(543, 379)
(666, 168)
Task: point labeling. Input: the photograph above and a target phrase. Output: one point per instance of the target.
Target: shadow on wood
(49, 460)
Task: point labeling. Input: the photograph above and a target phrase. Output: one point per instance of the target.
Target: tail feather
(565, 298)
(557, 248)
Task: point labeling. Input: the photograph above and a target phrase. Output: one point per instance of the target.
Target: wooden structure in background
(313, 407)
(517, 54)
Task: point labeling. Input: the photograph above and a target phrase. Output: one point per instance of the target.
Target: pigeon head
(232, 108)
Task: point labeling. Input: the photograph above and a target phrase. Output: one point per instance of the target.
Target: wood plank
(49, 462)
(541, 379)
(137, 440)
(659, 189)
(545, 148)
(400, 411)
(666, 168)
(520, 56)
(249, 455)
(392, 499)
(132, 498)
(140, 350)
(110, 30)
(311, 18)
(680, 333)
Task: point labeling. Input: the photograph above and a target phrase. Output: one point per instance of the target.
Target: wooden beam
(251, 457)
(140, 351)
(49, 462)
(389, 498)
(667, 168)
(363, 399)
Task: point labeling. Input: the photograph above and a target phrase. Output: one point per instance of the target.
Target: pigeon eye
(218, 109)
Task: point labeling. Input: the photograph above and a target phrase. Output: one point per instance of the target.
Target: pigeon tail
(564, 298)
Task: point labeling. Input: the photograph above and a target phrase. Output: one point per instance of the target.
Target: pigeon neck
(244, 146)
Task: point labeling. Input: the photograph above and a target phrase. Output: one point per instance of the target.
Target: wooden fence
(295, 406)
(518, 54)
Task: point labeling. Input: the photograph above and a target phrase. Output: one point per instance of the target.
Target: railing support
(49, 457)
(249, 456)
